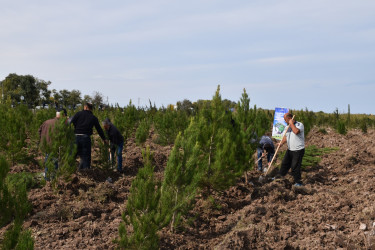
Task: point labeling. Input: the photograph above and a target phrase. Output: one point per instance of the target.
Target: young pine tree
(14, 121)
(13, 205)
(62, 150)
(142, 210)
(220, 155)
(168, 123)
(142, 131)
(180, 184)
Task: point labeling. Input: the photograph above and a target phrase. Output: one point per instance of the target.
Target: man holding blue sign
(295, 139)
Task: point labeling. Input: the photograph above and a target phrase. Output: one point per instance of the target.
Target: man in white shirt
(295, 138)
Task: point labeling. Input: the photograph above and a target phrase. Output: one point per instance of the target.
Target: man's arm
(100, 130)
(282, 141)
(72, 119)
(293, 127)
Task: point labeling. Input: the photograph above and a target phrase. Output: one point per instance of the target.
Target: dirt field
(335, 209)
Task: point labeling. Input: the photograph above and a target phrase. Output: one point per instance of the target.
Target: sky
(297, 54)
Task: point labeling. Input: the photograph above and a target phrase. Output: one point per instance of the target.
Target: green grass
(313, 155)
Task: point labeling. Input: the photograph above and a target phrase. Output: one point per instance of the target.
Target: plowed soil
(335, 208)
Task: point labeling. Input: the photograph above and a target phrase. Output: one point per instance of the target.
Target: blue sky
(297, 54)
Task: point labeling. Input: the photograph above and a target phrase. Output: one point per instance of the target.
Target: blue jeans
(118, 150)
(84, 151)
(55, 162)
(269, 157)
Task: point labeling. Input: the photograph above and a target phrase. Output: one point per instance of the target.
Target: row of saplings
(209, 155)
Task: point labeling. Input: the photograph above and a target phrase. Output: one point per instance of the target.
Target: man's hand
(291, 121)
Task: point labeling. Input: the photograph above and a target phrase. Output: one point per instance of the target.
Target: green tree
(142, 210)
(62, 150)
(168, 123)
(13, 131)
(16, 86)
(44, 92)
(86, 99)
(65, 97)
(13, 205)
(74, 98)
(180, 184)
(97, 99)
(142, 131)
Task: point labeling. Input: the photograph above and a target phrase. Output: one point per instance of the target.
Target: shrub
(142, 210)
(168, 123)
(13, 204)
(142, 131)
(341, 127)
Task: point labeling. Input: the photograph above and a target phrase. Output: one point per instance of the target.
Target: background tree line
(35, 92)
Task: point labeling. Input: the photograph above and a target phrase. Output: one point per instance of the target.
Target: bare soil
(335, 208)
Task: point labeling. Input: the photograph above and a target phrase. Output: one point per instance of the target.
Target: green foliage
(312, 155)
(14, 122)
(13, 204)
(253, 123)
(61, 149)
(142, 210)
(341, 127)
(363, 125)
(125, 119)
(168, 123)
(142, 131)
(180, 183)
(14, 180)
(104, 154)
(6, 201)
(18, 239)
(214, 145)
(308, 119)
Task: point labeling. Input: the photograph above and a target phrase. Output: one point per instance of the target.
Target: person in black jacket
(116, 142)
(83, 122)
(265, 148)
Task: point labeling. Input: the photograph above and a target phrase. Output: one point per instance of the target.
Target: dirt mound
(335, 208)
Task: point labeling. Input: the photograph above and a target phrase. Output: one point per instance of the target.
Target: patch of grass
(312, 155)
(322, 131)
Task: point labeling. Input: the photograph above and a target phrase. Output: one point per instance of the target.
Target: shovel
(274, 156)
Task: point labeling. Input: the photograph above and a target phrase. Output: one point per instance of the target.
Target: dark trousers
(269, 157)
(84, 150)
(293, 160)
(118, 150)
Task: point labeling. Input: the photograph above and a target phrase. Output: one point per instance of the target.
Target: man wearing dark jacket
(265, 148)
(117, 142)
(83, 122)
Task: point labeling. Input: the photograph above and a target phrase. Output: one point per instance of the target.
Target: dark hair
(289, 115)
(267, 147)
(107, 121)
(89, 105)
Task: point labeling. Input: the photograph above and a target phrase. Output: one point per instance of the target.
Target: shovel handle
(274, 156)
